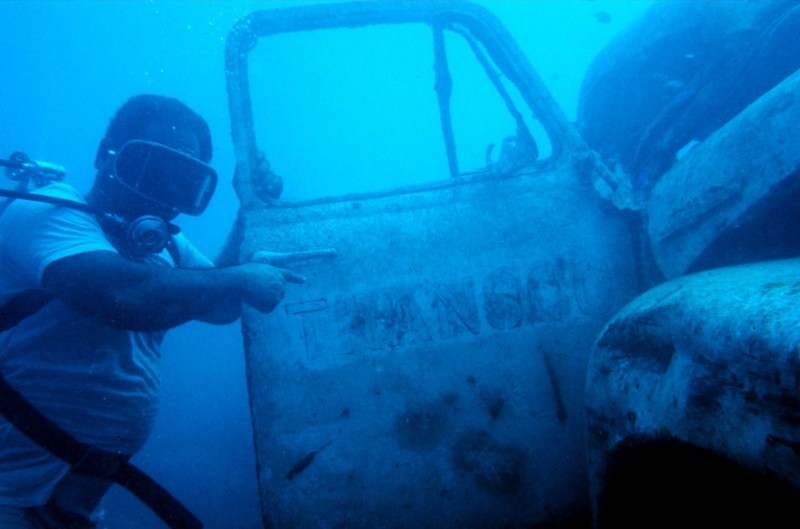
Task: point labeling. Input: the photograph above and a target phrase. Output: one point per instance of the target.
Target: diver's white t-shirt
(97, 382)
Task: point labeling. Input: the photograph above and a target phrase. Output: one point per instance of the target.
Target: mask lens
(166, 176)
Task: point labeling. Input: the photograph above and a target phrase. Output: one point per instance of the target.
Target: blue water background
(68, 65)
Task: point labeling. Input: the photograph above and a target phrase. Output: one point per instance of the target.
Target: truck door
(460, 263)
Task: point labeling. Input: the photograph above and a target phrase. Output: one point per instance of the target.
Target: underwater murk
(502, 209)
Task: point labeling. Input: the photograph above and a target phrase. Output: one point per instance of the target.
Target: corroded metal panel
(731, 192)
(431, 374)
(431, 371)
(709, 359)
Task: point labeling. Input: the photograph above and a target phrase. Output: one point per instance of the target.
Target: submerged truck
(500, 328)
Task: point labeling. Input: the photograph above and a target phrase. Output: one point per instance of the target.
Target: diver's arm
(143, 297)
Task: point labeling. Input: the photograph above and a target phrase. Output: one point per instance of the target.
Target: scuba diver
(88, 285)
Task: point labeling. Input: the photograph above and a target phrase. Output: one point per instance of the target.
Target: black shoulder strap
(20, 306)
(90, 460)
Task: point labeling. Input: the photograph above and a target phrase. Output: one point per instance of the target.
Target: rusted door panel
(431, 374)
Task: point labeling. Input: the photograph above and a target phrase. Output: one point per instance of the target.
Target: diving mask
(168, 177)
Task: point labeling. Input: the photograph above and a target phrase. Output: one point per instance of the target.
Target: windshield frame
(482, 26)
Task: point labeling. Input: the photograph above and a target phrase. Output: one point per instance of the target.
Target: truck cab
(478, 343)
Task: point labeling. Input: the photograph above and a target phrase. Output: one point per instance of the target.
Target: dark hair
(133, 117)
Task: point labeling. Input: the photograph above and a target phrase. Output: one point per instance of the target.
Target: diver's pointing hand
(261, 285)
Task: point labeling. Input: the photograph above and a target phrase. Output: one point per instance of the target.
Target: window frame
(478, 22)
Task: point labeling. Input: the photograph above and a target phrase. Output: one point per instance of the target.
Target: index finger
(292, 277)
